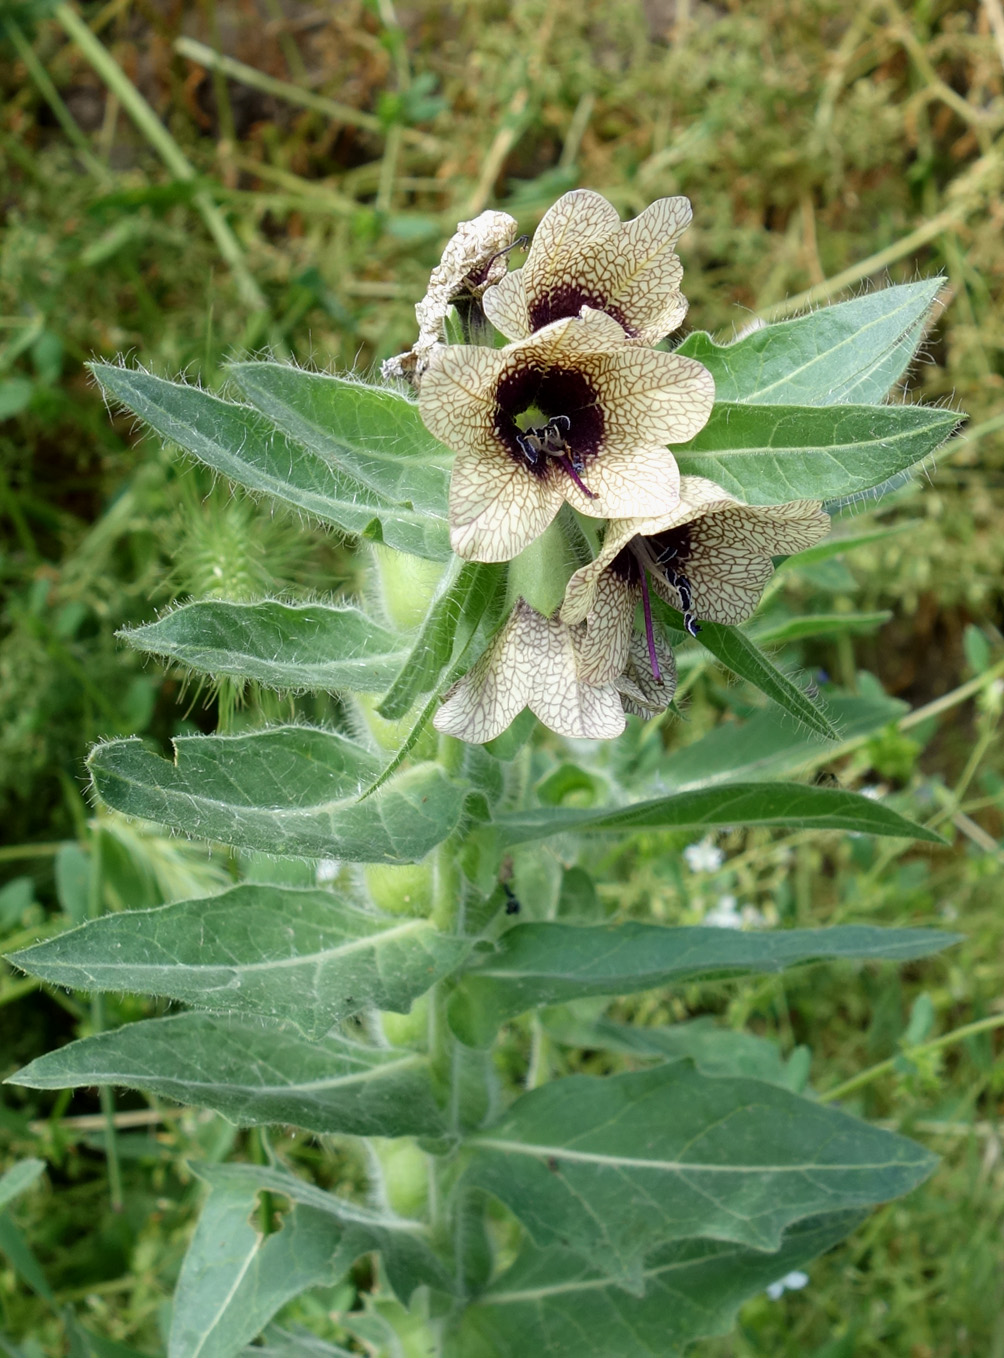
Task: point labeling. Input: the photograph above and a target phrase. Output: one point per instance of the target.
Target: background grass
(155, 204)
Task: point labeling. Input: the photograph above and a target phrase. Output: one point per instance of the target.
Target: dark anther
(682, 586)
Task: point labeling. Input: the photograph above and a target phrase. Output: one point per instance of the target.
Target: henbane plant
(565, 508)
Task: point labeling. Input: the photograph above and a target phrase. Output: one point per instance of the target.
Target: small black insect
(512, 905)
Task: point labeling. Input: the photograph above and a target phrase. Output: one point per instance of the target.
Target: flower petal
(582, 254)
(578, 220)
(506, 308)
(532, 662)
(729, 547)
(496, 688)
(650, 396)
(564, 701)
(604, 649)
(626, 482)
(497, 507)
(637, 273)
(580, 591)
(642, 694)
(575, 222)
(457, 397)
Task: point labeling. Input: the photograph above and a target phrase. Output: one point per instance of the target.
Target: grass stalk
(166, 147)
(293, 94)
(47, 89)
(866, 1077)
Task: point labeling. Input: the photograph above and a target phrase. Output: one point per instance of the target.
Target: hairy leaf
(19, 1177)
(853, 352)
(286, 646)
(554, 1304)
(248, 449)
(615, 1168)
(767, 743)
(374, 433)
(252, 1074)
(550, 963)
(786, 805)
(286, 790)
(403, 1245)
(740, 653)
(234, 1279)
(275, 952)
(770, 454)
(467, 592)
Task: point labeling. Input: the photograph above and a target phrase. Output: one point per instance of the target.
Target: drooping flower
(572, 413)
(710, 558)
(533, 662)
(584, 255)
(473, 260)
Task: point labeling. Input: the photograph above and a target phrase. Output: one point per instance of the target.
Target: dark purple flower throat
(549, 417)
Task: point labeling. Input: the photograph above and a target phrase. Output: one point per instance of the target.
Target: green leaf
(713, 1049)
(245, 447)
(281, 953)
(739, 653)
(18, 1178)
(771, 632)
(615, 1168)
(767, 744)
(408, 1260)
(787, 805)
(467, 591)
(548, 963)
(374, 433)
(692, 1290)
(16, 1250)
(285, 790)
(298, 1343)
(850, 353)
(287, 646)
(234, 1279)
(252, 1075)
(770, 454)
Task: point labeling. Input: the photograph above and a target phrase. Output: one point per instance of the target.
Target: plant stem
(865, 1077)
(166, 147)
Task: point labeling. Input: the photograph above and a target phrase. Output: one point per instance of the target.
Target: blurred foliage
(817, 143)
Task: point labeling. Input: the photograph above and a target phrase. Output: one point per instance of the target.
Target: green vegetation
(160, 202)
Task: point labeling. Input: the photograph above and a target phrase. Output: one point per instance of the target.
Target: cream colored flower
(584, 255)
(473, 260)
(647, 689)
(531, 662)
(710, 558)
(572, 413)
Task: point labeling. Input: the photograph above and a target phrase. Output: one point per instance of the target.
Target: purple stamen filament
(646, 604)
(566, 463)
